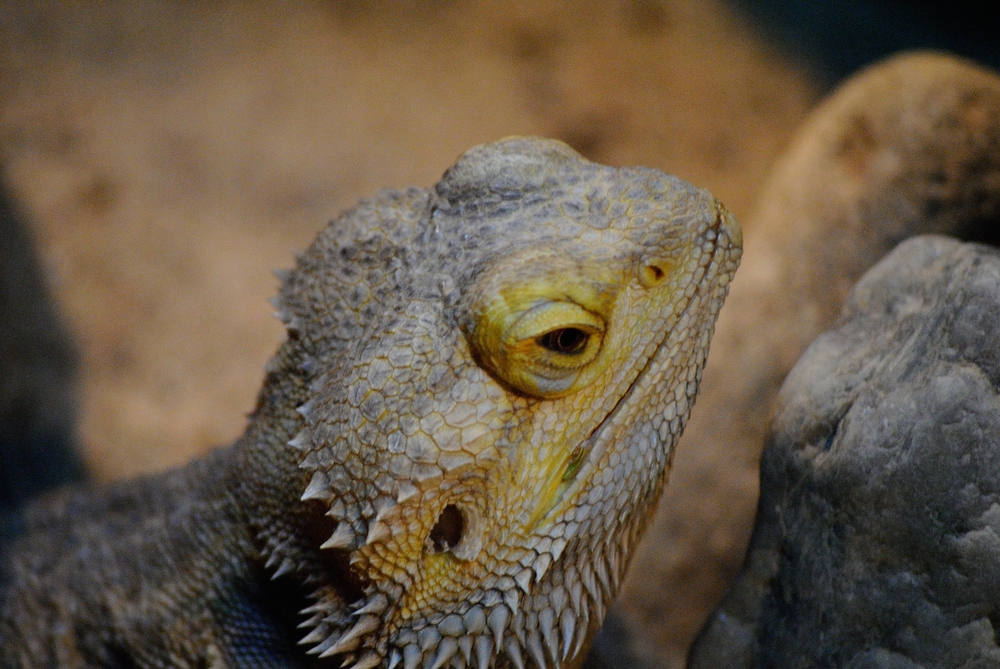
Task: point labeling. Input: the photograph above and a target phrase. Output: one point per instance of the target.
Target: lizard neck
(268, 482)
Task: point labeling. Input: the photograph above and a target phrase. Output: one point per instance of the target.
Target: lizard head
(496, 372)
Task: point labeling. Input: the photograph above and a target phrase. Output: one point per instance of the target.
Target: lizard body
(451, 458)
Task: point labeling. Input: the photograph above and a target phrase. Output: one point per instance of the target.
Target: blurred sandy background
(172, 153)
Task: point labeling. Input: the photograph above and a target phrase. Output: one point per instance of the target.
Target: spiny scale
(375, 605)
(368, 661)
(484, 651)
(546, 620)
(513, 650)
(342, 537)
(378, 531)
(535, 648)
(318, 488)
(567, 624)
(287, 567)
(446, 650)
(351, 639)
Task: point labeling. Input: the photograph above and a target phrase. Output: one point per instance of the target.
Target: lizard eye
(568, 341)
(542, 350)
(538, 321)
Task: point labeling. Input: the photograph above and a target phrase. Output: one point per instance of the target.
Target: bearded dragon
(453, 453)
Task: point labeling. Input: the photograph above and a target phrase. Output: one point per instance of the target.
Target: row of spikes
(600, 582)
(556, 631)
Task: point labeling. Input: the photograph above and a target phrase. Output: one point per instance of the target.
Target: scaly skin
(453, 453)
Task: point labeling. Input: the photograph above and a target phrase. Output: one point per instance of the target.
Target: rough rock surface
(877, 541)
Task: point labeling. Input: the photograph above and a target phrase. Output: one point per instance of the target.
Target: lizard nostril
(653, 274)
(447, 531)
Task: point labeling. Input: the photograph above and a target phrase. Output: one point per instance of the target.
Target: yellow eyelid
(550, 294)
(549, 316)
(535, 369)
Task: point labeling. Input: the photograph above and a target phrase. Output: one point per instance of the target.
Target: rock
(38, 369)
(877, 541)
(906, 147)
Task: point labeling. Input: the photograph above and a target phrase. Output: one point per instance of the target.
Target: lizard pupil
(564, 340)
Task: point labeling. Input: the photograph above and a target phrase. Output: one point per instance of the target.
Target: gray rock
(877, 542)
